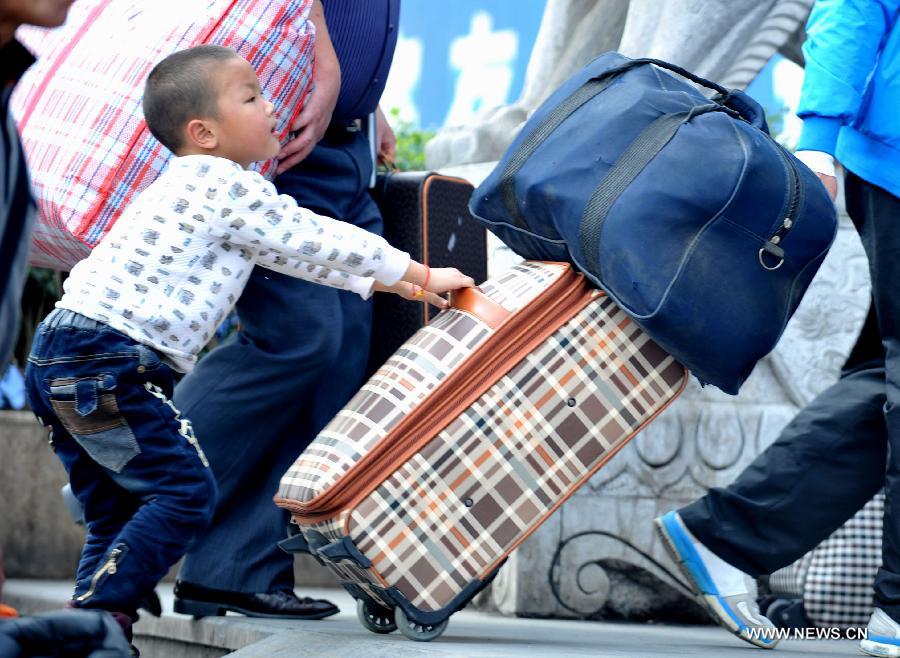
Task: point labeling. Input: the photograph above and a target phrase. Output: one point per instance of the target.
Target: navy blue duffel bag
(682, 208)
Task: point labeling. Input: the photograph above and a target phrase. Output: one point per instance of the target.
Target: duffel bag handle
(733, 99)
(626, 168)
(480, 305)
(674, 68)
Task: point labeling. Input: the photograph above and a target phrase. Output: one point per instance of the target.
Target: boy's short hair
(180, 88)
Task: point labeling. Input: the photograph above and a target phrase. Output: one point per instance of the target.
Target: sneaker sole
(874, 648)
(700, 582)
(199, 609)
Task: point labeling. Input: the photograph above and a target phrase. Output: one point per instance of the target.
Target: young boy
(150, 296)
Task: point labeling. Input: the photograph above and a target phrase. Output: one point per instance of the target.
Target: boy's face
(43, 13)
(246, 119)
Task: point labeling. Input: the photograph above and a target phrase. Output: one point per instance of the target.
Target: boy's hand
(445, 279)
(434, 282)
(414, 293)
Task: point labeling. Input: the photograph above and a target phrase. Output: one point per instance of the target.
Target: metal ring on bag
(766, 267)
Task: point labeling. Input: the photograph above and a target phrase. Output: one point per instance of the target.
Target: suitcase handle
(480, 305)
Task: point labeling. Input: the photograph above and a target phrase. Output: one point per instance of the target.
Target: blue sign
(456, 60)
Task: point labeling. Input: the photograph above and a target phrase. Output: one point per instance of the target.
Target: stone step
(470, 633)
(174, 635)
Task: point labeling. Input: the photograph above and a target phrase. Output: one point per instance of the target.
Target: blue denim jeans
(132, 460)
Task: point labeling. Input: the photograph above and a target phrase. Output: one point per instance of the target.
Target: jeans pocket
(88, 409)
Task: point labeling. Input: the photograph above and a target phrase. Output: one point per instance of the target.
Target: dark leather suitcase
(427, 215)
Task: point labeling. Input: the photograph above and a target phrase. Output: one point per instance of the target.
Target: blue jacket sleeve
(843, 41)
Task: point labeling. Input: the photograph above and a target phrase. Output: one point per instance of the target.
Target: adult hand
(822, 165)
(830, 183)
(312, 121)
(310, 125)
(385, 139)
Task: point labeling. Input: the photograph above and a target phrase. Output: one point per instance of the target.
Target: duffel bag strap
(735, 100)
(631, 163)
(551, 122)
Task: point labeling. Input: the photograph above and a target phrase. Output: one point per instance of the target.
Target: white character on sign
(484, 59)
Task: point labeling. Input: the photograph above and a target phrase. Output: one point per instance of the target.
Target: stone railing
(37, 534)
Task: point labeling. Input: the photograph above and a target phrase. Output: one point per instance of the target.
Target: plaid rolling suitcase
(427, 215)
(468, 438)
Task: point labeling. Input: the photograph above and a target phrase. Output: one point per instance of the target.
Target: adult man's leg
(880, 234)
(250, 401)
(790, 498)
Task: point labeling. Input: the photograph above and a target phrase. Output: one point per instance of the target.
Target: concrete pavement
(470, 634)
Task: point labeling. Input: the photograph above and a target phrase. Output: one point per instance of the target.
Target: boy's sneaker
(728, 593)
(882, 635)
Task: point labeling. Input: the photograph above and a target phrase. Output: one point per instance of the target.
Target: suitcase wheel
(416, 631)
(374, 617)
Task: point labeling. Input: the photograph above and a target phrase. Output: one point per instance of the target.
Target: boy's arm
(254, 214)
(362, 286)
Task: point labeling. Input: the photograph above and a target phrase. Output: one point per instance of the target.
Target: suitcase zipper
(516, 337)
(773, 244)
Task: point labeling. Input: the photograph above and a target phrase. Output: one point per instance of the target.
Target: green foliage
(776, 127)
(410, 143)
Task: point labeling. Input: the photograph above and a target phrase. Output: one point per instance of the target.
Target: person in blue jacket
(840, 450)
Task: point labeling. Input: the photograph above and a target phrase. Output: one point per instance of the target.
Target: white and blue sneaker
(726, 592)
(882, 635)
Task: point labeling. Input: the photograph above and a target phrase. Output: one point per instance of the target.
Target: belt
(341, 132)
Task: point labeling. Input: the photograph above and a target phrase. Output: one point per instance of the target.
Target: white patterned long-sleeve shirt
(174, 264)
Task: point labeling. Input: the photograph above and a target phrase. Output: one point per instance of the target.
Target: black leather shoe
(202, 601)
(151, 604)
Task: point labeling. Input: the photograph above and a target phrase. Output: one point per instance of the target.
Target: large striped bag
(79, 107)
(473, 433)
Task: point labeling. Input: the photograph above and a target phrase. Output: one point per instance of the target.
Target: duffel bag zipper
(773, 246)
(563, 300)
(109, 568)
